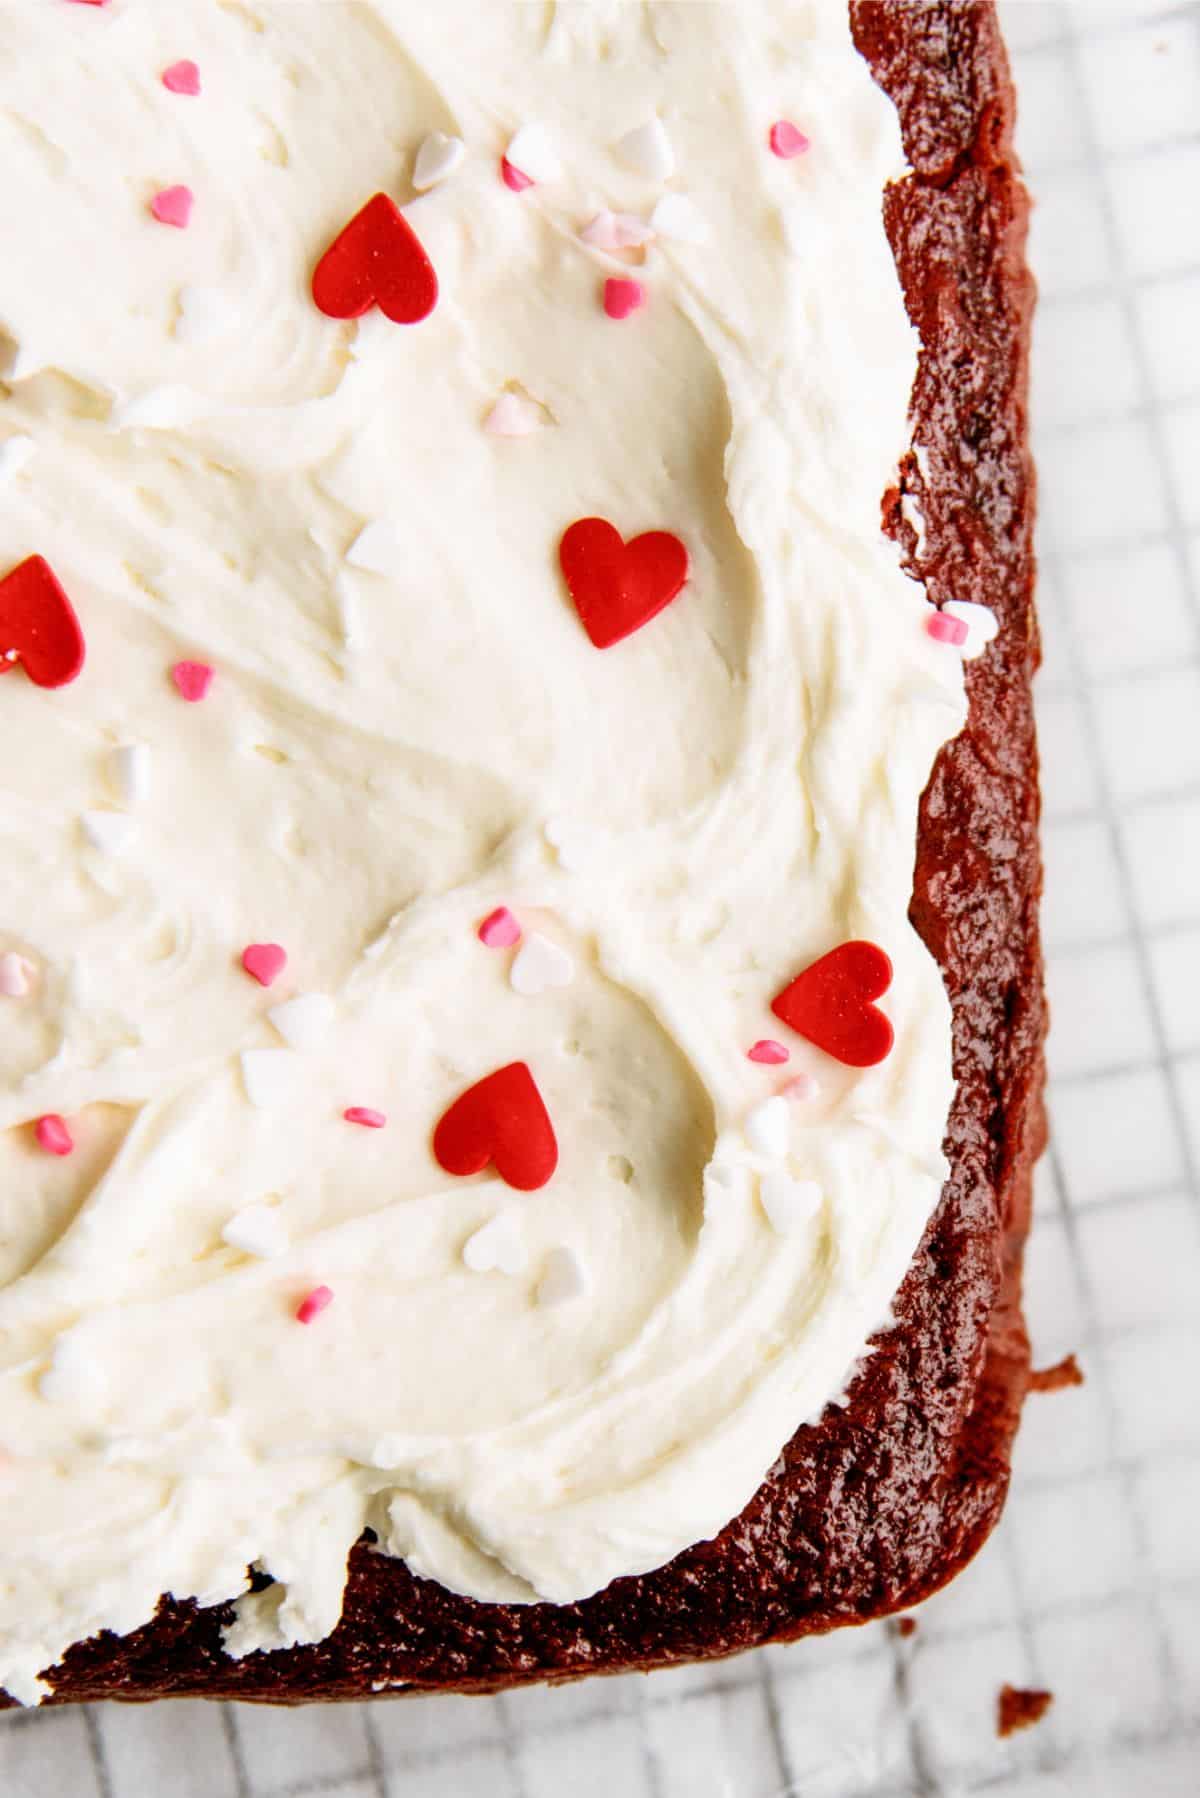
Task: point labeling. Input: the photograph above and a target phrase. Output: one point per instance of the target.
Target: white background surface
(1091, 1585)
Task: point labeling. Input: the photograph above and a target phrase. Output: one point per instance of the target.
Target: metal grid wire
(1091, 1586)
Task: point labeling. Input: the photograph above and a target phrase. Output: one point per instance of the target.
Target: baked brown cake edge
(880, 1503)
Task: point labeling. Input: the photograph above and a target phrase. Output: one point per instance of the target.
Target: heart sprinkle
(532, 157)
(312, 1305)
(437, 159)
(649, 150)
(109, 832)
(264, 962)
(623, 297)
(302, 1022)
(768, 1128)
(193, 680)
(173, 206)
(789, 1204)
(496, 1248)
(618, 587)
(38, 626)
(257, 1230)
(182, 78)
(945, 629)
(563, 1278)
(501, 1119)
(52, 1135)
(539, 965)
(365, 1115)
(983, 626)
(830, 1003)
(800, 1087)
(15, 975)
(512, 178)
(499, 929)
(129, 772)
(768, 1051)
(787, 140)
(513, 416)
(376, 260)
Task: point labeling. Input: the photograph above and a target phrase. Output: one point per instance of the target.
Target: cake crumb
(905, 1627)
(1066, 1372)
(1019, 1708)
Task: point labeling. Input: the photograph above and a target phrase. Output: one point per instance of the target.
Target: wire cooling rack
(1091, 1585)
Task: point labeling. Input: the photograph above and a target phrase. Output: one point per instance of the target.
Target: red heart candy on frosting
(501, 1119)
(38, 623)
(376, 261)
(831, 1004)
(617, 586)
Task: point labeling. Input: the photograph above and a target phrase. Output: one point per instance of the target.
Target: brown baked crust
(882, 1501)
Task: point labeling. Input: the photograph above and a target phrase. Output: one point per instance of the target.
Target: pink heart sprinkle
(365, 1115)
(264, 962)
(91, 2)
(786, 140)
(173, 206)
(53, 1136)
(182, 78)
(802, 1086)
(500, 929)
(515, 179)
(944, 628)
(623, 297)
(769, 1051)
(312, 1306)
(193, 680)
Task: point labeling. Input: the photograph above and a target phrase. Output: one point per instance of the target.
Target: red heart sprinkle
(501, 1119)
(264, 962)
(376, 261)
(53, 1135)
(830, 1004)
(38, 626)
(513, 178)
(617, 586)
(182, 78)
(193, 680)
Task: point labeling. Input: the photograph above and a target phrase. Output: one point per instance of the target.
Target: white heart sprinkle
(268, 1075)
(107, 831)
(14, 454)
(649, 150)
(437, 158)
(768, 1127)
(15, 975)
(497, 1247)
(378, 549)
(129, 772)
(632, 231)
(601, 233)
(563, 1277)
(257, 1230)
(532, 151)
(539, 964)
(983, 626)
(204, 313)
(789, 1204)
(680, 219)
(512, 416)
(304, 1020)
(561, 835)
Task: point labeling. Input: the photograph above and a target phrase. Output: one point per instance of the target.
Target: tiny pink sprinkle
(769, 1051)
(173, 206)
(91, 2)
(500, 929)
(786, 140)
(53, 1136)
(312, 1306)
(514, 178)
(623, 297)
(182, 78)
(944, 628)
(264, 962)
(365, 1115)
(193, 680)
(801, 1086)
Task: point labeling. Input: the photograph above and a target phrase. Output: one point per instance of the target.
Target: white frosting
(397, 743)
